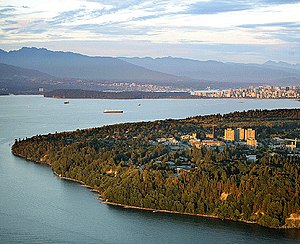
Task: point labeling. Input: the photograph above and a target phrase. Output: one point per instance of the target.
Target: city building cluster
(284, 143)
(261, 92)
(241, 134)
(145, 87)
(231, 136)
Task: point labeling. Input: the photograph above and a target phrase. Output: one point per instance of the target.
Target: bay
(38, 207)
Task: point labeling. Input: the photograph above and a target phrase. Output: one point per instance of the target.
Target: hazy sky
(237, 31)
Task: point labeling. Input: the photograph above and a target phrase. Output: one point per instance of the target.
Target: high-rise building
(229, 134)
(249, 134)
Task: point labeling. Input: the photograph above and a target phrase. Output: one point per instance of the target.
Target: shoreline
(195, 215)
(92, 189)
(175, 212)
(175, 98)
(102, 201)
(162, 98)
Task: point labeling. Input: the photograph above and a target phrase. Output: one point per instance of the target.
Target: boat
(139, 104)
(108, 111)
(66, 102)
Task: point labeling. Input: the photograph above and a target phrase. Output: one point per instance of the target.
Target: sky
(229, 31)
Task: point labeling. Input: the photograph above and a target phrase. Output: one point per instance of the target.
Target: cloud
(284, 31)
(10, 22)
(222, 6)
(2, 16)
(112, 6)
(117, 3)
(31, 30)
(225, 27)
(68, 16)
(111, 29)
(275, 24)
(9, 29)
(148, 17)
(279, 1)
(290, 38)
(214, 7)
(7, 11)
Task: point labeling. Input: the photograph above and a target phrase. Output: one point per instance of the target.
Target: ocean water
(38, 207)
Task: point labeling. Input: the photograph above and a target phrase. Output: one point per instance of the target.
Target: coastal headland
(169, 166)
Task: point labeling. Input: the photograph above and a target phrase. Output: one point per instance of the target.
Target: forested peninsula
(156, 165)
(89, 94)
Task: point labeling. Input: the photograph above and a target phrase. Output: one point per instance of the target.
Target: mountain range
(74, 65)
(39, 64)
(269, 72)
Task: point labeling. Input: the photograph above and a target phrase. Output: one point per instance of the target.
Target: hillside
(10, 72)
(18, 79)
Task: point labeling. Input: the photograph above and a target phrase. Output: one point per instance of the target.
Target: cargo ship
(108, 111)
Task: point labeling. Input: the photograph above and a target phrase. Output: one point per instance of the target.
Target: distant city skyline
(228, 31)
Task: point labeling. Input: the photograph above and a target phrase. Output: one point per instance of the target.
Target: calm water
(37, 207)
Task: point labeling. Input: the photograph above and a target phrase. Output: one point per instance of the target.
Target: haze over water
(38, 207)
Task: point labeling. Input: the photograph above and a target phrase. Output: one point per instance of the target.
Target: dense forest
(77, 93)
(129, 165)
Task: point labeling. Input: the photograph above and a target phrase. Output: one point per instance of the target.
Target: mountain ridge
(74, 65)
(177, 70)
(216, 70)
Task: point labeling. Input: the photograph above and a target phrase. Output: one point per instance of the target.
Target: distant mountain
(14, 78)
(73, 65)
(218, 71)
(283, 65)
(168, 70)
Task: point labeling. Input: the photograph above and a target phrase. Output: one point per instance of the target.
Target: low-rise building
(188, 137)
(195, 143)
(251, 158)
(212, 143)
(210, 135)
(41, 89)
